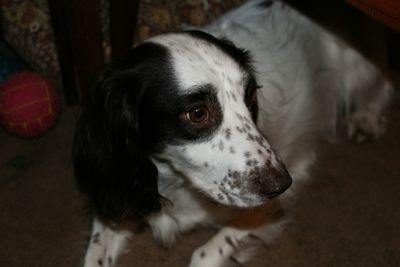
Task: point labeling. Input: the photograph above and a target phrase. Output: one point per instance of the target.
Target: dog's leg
(220, 249)
(236, 243)
(367, 93)
(234, 246)
(105, 245)
(366, 121)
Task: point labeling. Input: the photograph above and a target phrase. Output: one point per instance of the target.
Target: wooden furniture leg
(78, 36)
(123, 18)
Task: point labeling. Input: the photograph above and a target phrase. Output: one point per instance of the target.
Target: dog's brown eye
(197, 114)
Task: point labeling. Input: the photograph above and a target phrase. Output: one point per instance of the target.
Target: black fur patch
(163, 109)
(110, 162)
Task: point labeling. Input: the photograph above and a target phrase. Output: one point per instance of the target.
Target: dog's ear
(110, 165)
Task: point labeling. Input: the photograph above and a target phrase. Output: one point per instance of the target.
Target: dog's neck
(169, 179)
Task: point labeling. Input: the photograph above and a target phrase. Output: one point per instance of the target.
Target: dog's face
(189, 102)
(220, 150)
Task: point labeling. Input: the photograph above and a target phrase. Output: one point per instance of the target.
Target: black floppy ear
(110, 165)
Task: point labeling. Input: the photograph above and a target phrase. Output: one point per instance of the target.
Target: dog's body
(169, 134)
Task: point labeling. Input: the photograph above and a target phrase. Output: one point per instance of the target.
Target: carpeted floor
(348, 215)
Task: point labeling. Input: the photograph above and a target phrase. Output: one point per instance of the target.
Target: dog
(190, 129)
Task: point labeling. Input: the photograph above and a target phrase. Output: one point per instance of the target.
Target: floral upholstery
(162, 16)
(27, 28)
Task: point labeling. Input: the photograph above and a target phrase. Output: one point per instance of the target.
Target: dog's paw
(202, 257)
(363, 126)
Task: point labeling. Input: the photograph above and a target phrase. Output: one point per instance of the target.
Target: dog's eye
(197, 114)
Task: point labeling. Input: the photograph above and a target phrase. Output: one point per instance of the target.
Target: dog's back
(313, 83)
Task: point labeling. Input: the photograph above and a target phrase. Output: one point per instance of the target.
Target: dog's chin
(237, 201)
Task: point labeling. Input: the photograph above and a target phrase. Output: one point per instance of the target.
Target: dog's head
(185, 102)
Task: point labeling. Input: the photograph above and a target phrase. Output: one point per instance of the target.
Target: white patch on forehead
(198, 62)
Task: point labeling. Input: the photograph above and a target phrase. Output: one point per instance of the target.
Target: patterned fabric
(27, 25)
(27, 28)
(158, 16)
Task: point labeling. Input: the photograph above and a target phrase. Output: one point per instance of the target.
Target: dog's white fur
(311, 82)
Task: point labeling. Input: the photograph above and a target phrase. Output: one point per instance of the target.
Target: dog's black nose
(274, 182)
